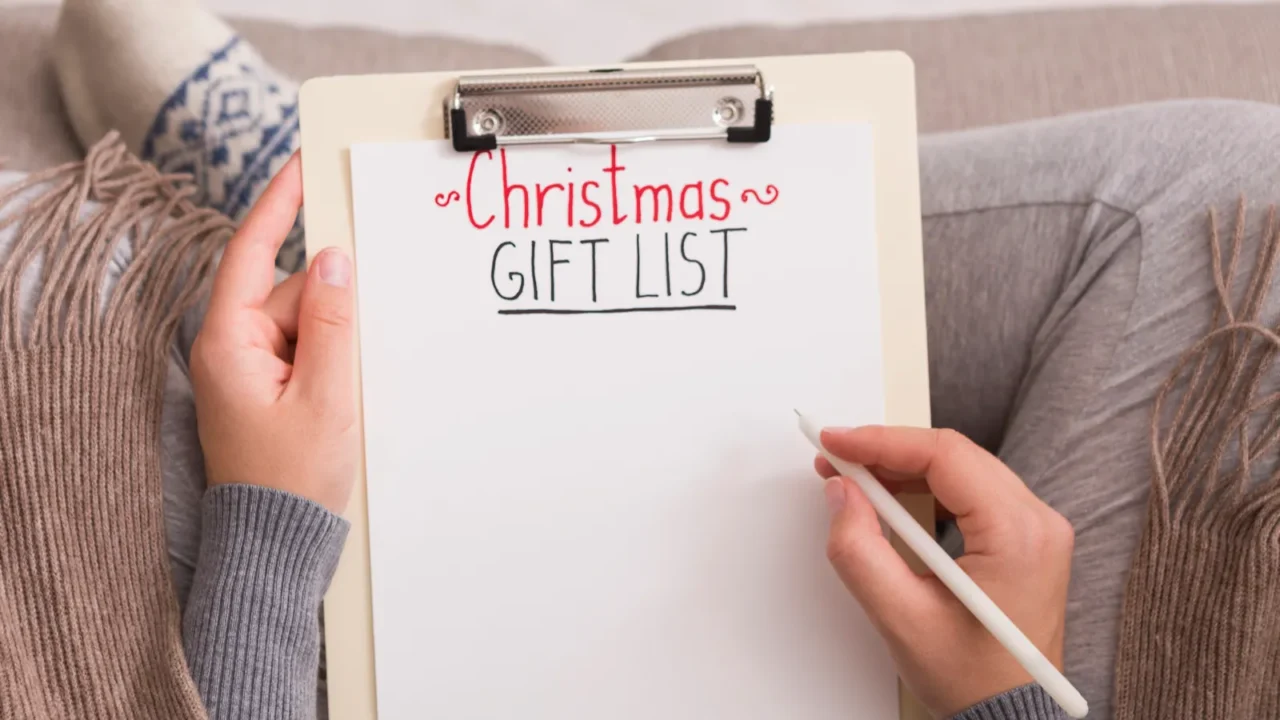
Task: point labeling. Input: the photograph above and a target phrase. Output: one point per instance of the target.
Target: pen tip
(797, 412)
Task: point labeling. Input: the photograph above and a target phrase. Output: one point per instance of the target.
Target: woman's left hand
(273, 366)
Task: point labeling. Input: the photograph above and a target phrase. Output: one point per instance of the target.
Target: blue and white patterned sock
(186, 93)
(231, 124)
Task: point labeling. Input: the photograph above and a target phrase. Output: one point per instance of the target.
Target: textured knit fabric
(1029, 702)
(1200, 633)
(34, 128)
(1069, 268)
(88, 619)
(251, 627)
(186, 93)
(89, 623)
(251, 632)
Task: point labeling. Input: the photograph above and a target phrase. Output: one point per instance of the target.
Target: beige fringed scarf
(1200, 636)
(89, 623)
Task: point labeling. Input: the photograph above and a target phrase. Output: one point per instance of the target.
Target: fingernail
(834, 490)
(827, 432)
(334, 268)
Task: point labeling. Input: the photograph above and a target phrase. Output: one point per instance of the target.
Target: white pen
(946, 570)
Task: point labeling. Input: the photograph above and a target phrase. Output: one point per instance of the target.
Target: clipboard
(706, 101)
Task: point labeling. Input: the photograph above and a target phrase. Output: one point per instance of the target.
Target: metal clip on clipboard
(610, 106)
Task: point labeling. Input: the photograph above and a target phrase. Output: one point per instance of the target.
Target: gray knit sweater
(251, 627)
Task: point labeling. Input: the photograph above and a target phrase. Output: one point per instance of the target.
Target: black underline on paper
(610, 311)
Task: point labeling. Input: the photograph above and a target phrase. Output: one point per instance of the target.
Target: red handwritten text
(496, 189)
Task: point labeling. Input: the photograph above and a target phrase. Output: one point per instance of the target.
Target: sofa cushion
(34, 131)
(971, 71)
(982, 70)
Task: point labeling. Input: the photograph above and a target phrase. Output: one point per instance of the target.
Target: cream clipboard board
(875, 87)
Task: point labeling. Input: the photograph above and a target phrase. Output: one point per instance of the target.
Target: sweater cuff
(1026, 702)
(251, 627)
(251, 533)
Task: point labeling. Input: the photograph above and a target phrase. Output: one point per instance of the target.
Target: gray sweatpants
(1067, 266)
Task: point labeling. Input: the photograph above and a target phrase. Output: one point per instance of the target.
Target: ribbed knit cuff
(251, 628)
(1026, 702)
(1198, 636)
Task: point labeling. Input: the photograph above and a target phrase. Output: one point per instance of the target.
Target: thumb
(889, 591)
(323, 359)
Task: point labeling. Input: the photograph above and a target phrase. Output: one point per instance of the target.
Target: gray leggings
(1067, 266)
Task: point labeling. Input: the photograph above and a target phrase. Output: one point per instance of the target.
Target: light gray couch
(971, 71)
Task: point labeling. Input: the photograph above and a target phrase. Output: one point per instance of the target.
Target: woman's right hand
(1017, 549)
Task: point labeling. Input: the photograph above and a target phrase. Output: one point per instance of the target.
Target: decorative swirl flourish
(770, 192)
(443, 200)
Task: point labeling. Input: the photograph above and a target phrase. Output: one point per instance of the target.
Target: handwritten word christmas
(494, 192)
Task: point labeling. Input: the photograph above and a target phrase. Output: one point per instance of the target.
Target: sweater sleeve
(251, 627)
(1027, 702)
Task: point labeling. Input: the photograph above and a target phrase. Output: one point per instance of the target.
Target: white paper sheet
(606, 512)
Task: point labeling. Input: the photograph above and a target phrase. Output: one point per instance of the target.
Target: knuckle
(837, 550)
(331, 314)
(332, 413)
(947, 440)
(344, 419)
(199, 349)
(946, 444)
(1062, 534)
(206, 353)
(842, 548)
(1048, 534)
(876, 438)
